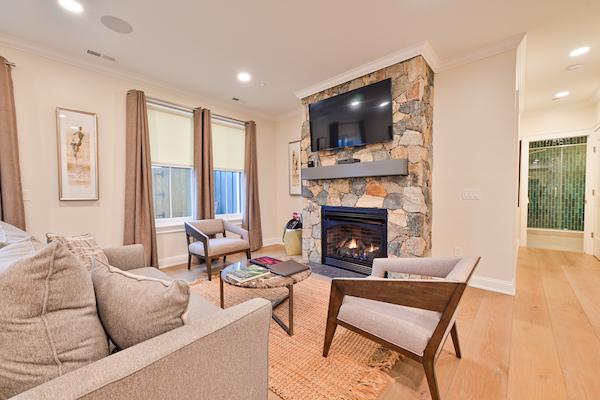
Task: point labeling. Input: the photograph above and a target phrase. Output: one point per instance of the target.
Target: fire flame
(353, 244)
(371, 249)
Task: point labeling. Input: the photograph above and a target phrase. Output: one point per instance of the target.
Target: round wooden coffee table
(270, 281)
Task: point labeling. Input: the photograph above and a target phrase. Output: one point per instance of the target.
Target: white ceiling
(201, 46)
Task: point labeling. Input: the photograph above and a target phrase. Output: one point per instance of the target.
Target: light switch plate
(470, 194)
(26, 195)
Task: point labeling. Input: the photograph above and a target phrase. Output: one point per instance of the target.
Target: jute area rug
(355, 368)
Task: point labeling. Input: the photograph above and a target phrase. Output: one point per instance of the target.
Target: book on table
(248, 273)
(287, 268)
(265, 261)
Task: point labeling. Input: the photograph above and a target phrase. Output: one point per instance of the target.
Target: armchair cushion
(409, 328)
(219, 246)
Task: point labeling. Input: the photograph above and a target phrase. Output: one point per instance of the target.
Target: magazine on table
(248, 273)
(265, 261)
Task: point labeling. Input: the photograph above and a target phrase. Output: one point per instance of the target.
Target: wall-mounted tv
(355, 118)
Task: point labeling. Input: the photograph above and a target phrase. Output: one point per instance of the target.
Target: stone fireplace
(406, 199)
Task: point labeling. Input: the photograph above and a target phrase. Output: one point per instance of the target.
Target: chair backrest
(455, 269)
(208, 226)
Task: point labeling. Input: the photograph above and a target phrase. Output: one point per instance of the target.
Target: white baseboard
(272, 241)
(172, 261)
(493, 285)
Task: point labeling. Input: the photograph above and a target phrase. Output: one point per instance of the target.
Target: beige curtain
(251, 217)
(12, 209)
(139, 206)
(204, 207)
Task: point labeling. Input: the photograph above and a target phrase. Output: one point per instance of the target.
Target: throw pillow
(136, 308)
(83, 246)
(11, 234)
(49, 325)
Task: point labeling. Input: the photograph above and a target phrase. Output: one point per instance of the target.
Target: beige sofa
(223, 354)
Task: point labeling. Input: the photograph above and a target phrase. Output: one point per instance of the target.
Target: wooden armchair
(207, 246)
(412, 317)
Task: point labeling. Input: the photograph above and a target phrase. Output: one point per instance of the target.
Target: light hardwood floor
(544, 343)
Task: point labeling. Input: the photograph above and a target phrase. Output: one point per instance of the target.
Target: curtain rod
(183, 107)
(9, 64)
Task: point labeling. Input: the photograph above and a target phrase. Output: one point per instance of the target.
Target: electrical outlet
(108, 246)
(26, 195)
(458, 251)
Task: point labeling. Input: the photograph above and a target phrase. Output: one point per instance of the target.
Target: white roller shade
(171, 137)
(228, 146)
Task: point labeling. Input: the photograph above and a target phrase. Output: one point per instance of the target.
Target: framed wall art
(77, 154)
(294, 166)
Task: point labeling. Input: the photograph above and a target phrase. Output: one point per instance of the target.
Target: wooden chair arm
(423, 294)
(191, 231)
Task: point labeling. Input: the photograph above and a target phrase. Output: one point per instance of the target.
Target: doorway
(556, 188)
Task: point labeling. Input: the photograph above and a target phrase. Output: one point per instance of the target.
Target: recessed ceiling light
(384, 104)
(562, 94)
(116, 24)
(71, 5)
(354, 103)
(579, 52)
(575, 67)
(244, 77)
(263, 84)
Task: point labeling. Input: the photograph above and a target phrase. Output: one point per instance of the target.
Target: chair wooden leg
(208, 271)
(224, 258)
(248, 254)
(329, 332)
(454, 334)
(431, 378)
(189, 260)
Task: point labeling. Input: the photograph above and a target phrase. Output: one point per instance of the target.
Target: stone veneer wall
(407, 198)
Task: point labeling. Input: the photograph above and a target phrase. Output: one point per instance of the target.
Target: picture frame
(77, 138)
(295, 168)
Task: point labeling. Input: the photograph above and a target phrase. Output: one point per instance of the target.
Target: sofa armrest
(225, 356)
(126, 257)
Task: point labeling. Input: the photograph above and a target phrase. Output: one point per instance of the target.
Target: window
(171, 148)
(228, 165)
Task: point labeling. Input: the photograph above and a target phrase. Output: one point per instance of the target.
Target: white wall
(558, 121)
(40, 85)
(475, 147)
(289, 130)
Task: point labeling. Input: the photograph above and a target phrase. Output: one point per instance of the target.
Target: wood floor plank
(580, 387)
(534, 369)
(577, 344)
(483, 371)
(469, 304)
(409, 377)
(586, 289)
(549, 265)
(530, 299)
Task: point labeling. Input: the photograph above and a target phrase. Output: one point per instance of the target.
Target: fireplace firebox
(353, 237)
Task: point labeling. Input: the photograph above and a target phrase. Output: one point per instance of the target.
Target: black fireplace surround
(353, 237)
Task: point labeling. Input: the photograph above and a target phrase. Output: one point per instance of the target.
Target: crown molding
(288, 115)
(563, 107)
(365, 69)
(430, 56)
(47, 52)
(483, 52)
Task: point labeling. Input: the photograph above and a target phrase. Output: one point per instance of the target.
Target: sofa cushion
(49, 325)
(135, 308)
(199, 306)
(10, 234)
(219, 246)
(83, 246)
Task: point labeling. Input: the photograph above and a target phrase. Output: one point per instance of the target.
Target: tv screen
(358, 117)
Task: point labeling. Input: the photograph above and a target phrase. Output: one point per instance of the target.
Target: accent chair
(207, 246)
(410, 316)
